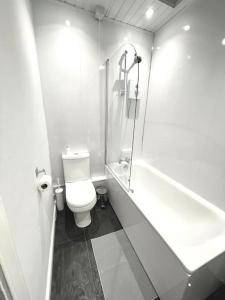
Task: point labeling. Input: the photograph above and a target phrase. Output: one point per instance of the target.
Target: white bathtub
(178, 236)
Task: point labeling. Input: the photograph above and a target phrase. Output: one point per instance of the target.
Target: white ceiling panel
(139, 16)
(127, 5)
(117, 5)
(132, 12)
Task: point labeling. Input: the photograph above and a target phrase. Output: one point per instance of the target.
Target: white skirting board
(50, 260)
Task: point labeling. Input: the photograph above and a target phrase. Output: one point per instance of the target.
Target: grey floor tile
(144, 284)
(119, 283)
(104, 221)
(66, 230)
(121, 273)
(110, 250)
(77, 278)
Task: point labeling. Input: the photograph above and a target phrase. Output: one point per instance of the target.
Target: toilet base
(82, 219)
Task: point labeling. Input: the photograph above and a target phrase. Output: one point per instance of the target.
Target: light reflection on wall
(168, 58)
(67, 48)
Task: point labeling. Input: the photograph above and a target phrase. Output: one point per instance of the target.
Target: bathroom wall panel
(69, 59)
(24, 146)
(184, 129)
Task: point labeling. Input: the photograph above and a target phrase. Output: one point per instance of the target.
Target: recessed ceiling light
(149, 13)
(223, 42)
(187, 27)
(67, 22)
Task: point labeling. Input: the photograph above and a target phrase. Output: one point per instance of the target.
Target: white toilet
(80, 191)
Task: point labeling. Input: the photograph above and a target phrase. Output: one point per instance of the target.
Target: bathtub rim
(131, 195)
(181, 187)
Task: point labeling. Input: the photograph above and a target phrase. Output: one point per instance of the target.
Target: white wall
(24, 145)
(184, 130)
(69, 64)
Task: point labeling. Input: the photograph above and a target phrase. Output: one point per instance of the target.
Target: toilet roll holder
(38, 172)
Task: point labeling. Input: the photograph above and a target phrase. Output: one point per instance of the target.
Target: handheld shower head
(137, 59)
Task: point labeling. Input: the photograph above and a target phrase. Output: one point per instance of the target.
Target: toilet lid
(80, 193)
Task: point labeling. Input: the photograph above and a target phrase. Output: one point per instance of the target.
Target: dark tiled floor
(75, 274)
(104, 221)
(218, 295)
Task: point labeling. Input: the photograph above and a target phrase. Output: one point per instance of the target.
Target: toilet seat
(80, 194)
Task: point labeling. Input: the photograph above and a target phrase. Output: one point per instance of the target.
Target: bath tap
(126, 160)
(125, 163)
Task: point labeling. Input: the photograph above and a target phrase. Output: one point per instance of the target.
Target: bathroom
(112, 173)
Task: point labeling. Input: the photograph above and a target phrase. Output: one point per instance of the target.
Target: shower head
(137, 60)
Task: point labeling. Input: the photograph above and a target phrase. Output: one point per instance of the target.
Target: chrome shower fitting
(137, 60)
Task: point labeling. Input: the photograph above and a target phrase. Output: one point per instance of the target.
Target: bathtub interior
(192, 227)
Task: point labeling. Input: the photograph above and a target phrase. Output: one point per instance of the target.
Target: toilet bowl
(80, 191)
(81, 198)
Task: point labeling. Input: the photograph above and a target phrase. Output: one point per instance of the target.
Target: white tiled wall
(69, 59)
(184, 130)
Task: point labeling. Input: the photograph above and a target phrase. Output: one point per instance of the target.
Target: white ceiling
(132, 12)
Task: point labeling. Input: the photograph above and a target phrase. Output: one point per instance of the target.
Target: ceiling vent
(172, 3)
(99, 12)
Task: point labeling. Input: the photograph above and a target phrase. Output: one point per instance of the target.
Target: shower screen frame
(108, 162)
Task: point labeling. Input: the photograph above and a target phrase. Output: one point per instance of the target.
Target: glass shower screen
(122, 75)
